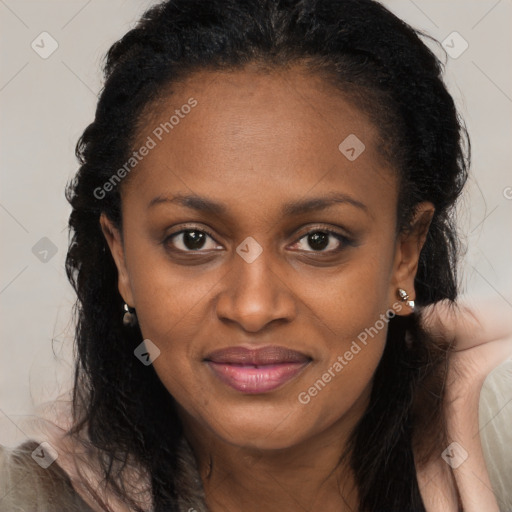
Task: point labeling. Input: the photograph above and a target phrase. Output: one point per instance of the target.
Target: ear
(407, 253)
(114, 240)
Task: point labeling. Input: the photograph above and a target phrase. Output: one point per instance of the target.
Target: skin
(482, 334)
(254, 142)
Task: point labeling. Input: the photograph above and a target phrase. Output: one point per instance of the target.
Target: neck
(306, 476)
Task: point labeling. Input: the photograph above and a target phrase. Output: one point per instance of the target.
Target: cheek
(349, 300)
(171, 312)
(351, 315)
(170, 299)
(349, 369)
(342, 380)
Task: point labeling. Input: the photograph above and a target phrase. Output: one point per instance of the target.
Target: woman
(262, 217)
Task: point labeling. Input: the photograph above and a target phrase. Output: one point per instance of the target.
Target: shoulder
(30, 479)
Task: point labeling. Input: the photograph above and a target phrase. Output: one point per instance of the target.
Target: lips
(256, 370)
(257, 357)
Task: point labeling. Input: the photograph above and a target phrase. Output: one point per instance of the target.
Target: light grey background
(45, 105)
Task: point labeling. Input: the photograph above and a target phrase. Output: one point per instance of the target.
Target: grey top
(25, 486)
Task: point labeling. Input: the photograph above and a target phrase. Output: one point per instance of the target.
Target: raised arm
(481, 332)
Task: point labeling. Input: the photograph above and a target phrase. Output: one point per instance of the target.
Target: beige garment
(495, 417)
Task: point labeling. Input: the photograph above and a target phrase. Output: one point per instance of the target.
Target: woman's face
(254, 170)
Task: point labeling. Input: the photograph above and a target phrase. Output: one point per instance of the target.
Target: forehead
(250, 130)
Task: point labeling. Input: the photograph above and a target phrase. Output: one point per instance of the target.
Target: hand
(481, 335)
(481, 339)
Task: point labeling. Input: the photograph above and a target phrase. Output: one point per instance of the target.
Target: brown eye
(190, 240)
(324, 240)
(318, 240)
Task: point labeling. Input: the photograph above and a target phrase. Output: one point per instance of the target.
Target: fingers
(470, 322)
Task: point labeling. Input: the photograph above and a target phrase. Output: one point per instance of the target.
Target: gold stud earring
(404, 297)
(130, 317)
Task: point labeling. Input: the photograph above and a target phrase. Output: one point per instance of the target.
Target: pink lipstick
(255, 371)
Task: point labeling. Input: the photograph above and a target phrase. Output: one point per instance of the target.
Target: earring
(130, 317)
(404, 297)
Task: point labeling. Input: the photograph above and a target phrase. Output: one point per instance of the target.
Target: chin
(262, 431)
(260, 441)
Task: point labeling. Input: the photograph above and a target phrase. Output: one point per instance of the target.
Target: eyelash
(344, 240)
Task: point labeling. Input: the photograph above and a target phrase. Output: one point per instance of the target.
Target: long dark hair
(382, 65)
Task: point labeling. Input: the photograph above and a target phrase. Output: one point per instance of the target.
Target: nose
(255, 294)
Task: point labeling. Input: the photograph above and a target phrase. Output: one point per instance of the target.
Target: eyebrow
(203, 204)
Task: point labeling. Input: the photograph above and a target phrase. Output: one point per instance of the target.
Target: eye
(323, 240)
(191, 240)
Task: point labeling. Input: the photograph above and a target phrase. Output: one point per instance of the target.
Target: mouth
(256, 371)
